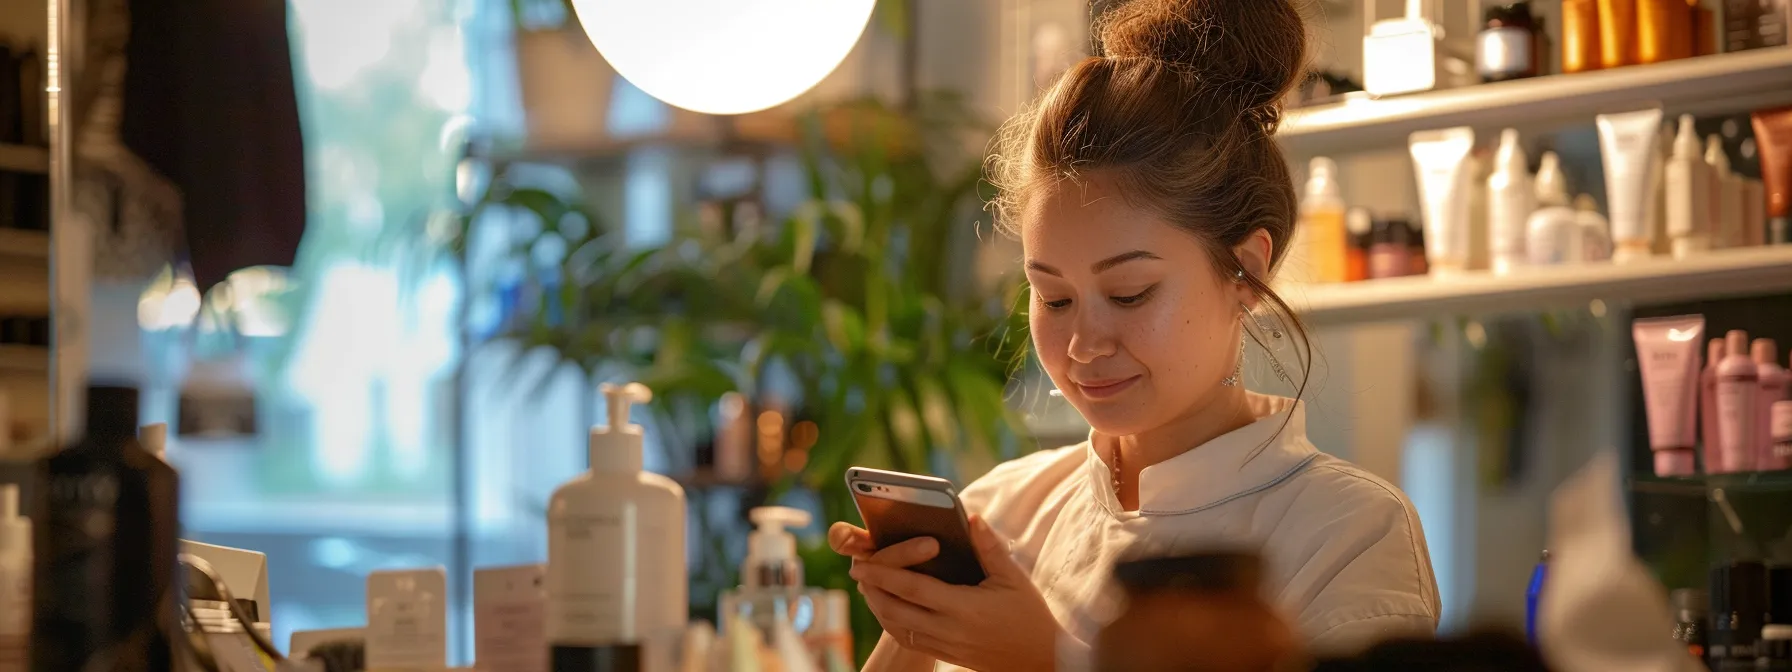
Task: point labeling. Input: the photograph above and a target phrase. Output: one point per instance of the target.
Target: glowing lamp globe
(724, 56)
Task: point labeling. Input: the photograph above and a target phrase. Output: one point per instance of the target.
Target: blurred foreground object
(1204, 611)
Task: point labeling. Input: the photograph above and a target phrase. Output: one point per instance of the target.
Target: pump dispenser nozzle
(616, 447)
(771, 549)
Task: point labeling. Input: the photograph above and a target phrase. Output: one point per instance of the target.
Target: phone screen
(894, 514)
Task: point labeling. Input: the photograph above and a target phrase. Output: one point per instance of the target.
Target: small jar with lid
(1508, 45)
(1198, 611)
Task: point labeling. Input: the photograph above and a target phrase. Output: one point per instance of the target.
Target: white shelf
(24, 159)
(24, 359)
(21, 243)
(1724, 83)
(1720, 274)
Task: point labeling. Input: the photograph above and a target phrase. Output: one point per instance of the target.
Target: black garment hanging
(209, 102)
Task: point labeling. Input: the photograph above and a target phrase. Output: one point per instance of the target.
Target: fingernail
(929, 545)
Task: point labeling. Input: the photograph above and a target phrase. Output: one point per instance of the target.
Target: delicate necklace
(1116, 473)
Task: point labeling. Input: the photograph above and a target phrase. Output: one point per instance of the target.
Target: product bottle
(1617, 33)
(1551, 184)
(1738, 607)
(1780, 419)
(771, 577)
(1773, 380)
(1662, 30)
(1510, 202)
(1710, 430)
(105, 569)
(15, 582)
(1322, 221)
(1726, 196)
(1704, 29)
(1737, 387)
(1506, 48)
(1553, 237)
(1691, 607)
(1754, 24)
(615, 536)
(1580, 35)
(1390, 256)
(1754, 211)
(1361, 225)
(1595, 240)
(1689, 193)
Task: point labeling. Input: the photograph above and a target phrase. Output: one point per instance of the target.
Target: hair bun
(1257, 47)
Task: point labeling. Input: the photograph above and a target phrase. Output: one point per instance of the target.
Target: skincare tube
(1441, 160)
(1773, 140)
(1627, 144)
(1667, 351)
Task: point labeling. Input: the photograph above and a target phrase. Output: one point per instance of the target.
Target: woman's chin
(1115, 423)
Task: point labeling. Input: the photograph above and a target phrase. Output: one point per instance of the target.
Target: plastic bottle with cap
(616, 575)
(1326, 238)
(15, 581)
(1726, 196)
(1773, 379)
(1689, 187)
(1510, 201)
(1551, 184)
(1738, 385)
(772, 595)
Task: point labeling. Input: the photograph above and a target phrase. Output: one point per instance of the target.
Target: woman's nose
(1091, 338)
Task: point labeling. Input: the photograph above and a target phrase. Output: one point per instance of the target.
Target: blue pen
(1532, 595)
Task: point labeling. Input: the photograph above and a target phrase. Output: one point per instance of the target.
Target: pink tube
(1667, 350)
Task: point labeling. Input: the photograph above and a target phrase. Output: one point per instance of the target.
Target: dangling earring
(1237, 367)
(1274, 332)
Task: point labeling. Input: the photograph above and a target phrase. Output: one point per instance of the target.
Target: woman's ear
(1253, 255)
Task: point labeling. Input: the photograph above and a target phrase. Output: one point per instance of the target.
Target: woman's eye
(1059, 304)
(1133, 300)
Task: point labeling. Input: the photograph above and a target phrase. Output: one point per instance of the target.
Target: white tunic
(1344, 553)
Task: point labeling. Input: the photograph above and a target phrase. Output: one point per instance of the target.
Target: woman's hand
(1000, 624)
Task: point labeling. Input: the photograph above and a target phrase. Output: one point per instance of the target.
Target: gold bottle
(1663, 30)
(1617, 33)
(1580, 35)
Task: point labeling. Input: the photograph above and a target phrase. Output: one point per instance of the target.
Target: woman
(1153, 206)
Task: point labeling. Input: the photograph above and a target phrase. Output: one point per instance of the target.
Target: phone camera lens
(864, 487)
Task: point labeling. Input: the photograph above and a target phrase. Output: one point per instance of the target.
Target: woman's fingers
(894, 613)
(850, 540)
(915, 588)
(908, 553)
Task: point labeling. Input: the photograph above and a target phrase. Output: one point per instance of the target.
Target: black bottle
(1738, 610)
(106, 547)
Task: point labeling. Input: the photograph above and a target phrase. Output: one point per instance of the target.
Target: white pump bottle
(616, 574)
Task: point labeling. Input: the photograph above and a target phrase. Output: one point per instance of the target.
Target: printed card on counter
(407, 620)
(510, 619)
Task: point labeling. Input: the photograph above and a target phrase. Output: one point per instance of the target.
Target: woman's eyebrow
(1099, 266)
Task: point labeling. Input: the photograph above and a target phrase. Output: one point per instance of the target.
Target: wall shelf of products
(24, 159)
(1718, 274)
(1703, 485)
(24, 359)
(22, 243)
(1708, 84)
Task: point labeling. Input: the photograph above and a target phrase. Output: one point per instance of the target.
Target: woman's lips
(1103, 389)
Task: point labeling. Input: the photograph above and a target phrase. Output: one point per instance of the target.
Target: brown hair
(1179, 111)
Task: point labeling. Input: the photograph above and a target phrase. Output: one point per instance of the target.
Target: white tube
(1510, 202)
(1440, 158)
(1627, 144)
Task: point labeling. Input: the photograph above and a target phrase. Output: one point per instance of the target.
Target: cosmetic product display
(1772, 378)
(1507, 47)
(616, 571)
(1726, 211)
(1441, 160)
(1617, 33)
(1667, 351)
(1401, 55)
(1691, 609)
(1663, 30)
(1322, 222)
(1754, 24)
(1360, 225)
(1773, 143)
(1738, 385)
(15, 581)
(407, 619)
(105, 569)
(509, 617)
(1627, 149)
(1390, 256)
(1689, 186)
(1510, 201)
(1580, 36)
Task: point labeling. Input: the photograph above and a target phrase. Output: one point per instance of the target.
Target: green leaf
(845, 329)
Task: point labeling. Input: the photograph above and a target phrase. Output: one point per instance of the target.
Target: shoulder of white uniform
(1033, 472)
(1340, 482)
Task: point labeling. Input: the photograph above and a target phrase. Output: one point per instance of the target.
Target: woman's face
(1129, 316)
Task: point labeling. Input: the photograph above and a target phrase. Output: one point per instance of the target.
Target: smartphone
(898, 507)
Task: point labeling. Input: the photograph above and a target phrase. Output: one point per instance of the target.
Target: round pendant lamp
(724, 56)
